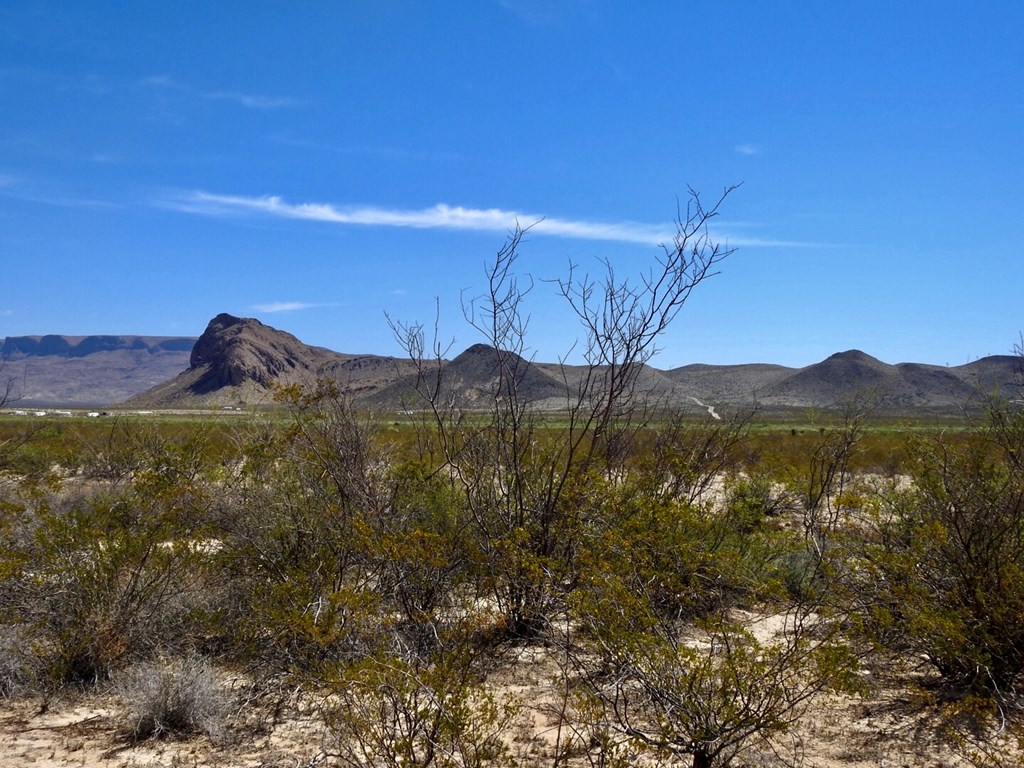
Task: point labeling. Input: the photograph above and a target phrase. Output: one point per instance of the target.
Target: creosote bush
(98, 578)
(515, 475)
(941, 570)
(751, 500)
(407, 708)
(667, 658)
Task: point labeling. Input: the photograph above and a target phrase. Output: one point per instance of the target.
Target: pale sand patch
(885, 729)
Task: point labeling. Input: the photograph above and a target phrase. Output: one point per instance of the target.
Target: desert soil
(885, 729)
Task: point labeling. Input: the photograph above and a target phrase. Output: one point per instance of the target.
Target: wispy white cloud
(251, 101)
(248, 100)
(440, 216)
(163, 81)
(747, 149)
(286, 306)
(539, 14)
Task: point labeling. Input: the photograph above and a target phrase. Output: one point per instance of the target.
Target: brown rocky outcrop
(234, 351)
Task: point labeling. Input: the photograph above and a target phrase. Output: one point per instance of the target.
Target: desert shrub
(822, 481)
(409, 707)
(20, 453)
(177, 698)
(941, 574)
(709, 690)
(115, 454)
(680, 560)
(661, 647)
(297, 592)
(516, 474)
(804, 575)
(97, 580)
(117, 449)
(420, 549)
(682, 458)
(752, 499)
(300, 552)
(791, 564)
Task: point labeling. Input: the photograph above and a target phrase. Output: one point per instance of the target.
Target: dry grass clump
(17, 673)
(178, 698)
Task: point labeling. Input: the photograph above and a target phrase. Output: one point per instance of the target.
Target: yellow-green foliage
(942, 574)
(401, 709)
(105, 579)
(703, 688)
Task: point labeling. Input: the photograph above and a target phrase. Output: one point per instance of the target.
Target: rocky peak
(220, 334)
(235, 350)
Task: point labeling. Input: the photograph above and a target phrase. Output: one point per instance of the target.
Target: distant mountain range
(87, 371)
(239, 361)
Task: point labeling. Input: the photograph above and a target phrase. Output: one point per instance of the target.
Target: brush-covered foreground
(329, 588)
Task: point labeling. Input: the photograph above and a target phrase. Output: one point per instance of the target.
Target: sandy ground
(89, 730)
(882, 730)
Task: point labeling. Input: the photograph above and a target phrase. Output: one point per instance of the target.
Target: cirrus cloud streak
(440, 216)
(287, 306)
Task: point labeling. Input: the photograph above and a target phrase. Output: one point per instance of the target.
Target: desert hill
(238, 361)
(730, 383)
(473, 377)
(905, 386)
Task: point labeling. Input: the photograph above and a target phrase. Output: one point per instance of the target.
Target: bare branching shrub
(662, 647)
(820, 486)
(517, 475)
(710, 691)
(177, 698)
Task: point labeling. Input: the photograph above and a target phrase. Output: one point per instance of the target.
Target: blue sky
(317, 165)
